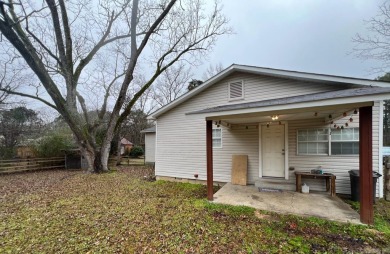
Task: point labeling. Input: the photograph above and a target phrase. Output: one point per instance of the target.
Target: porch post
(365, 165)
(209, 156)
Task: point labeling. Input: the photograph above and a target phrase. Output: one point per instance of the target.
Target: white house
(150, 144)
(284, 121)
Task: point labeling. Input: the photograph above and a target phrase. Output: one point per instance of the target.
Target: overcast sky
(301, 35)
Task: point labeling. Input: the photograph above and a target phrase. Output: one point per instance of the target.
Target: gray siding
(181, 138)
(150, 147)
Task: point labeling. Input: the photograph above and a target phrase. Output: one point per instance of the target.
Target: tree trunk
(118, 151)
(387, 181)
(96, 158)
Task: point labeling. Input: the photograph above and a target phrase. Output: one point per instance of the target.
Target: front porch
(288, 202)
(329, 108)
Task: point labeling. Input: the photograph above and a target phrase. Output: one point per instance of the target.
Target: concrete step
(275, 183)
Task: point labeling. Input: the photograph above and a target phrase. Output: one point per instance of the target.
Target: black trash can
(355, 183)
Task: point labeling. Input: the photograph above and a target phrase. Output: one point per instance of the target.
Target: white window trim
(212, 138)
(243, 91)
(312, 154)
(341, 141)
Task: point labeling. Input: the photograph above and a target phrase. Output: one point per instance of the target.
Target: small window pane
(322, 131)
(356, 134)
(347, 134)
(356, 148)
(302, 138)
(216, 133)
(346, 148)
(217, 143)
(217, 138)
(313, 141)
(322, 148)
(312, 148)
(336, 134)
(312, 138)
(322, 137)
(302, 148)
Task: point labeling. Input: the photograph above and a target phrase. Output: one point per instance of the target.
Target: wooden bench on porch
(330, 180)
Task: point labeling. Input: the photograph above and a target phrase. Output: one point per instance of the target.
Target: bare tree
(171, 84)
(12, 75)
(376, 45)
(62, 42)
(212, 70)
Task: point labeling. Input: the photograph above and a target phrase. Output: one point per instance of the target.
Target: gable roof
(354, 92)
(124, 141)
(295, 75)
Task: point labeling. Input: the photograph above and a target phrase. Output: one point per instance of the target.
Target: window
(318, 141)
(345, 141)
(236, 90)
(217, 138)
(313, 141)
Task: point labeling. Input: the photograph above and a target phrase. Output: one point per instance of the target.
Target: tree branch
(57, 32)
(68, 38)
(29, 96)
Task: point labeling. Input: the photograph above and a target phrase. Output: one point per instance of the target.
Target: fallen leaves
(120, 212)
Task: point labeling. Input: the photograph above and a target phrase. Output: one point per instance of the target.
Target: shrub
(53, 145)
(7, 153)
(136, 151)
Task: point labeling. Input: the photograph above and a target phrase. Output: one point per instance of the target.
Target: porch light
(351, 119)
(346, 124)
(355, 111)
(275, 117)
(345, 114)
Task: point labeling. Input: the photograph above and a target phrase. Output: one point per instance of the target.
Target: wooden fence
(20, 165)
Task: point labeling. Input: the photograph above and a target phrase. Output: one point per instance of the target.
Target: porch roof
(315, 78)
(341, 97)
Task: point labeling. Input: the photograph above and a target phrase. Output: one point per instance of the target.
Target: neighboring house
(25, 151)
(284, 121)
(125, 146)
(150, 144)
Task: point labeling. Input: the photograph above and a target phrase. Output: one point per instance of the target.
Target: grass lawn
(68, 212)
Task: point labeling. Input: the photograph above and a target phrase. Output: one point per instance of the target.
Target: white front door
(272, 147)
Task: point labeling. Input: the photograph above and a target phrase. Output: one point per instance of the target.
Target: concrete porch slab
(288, 202)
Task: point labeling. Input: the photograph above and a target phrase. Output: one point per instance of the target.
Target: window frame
(345, 141)
(313, 154)
(329, 141)
(213, 138)
(242, 92)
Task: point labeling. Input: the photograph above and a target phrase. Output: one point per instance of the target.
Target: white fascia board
(311, 76)
(300, 105)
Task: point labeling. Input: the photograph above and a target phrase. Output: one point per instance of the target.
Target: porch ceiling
(296, 107)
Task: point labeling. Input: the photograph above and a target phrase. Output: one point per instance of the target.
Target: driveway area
(286, 202)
